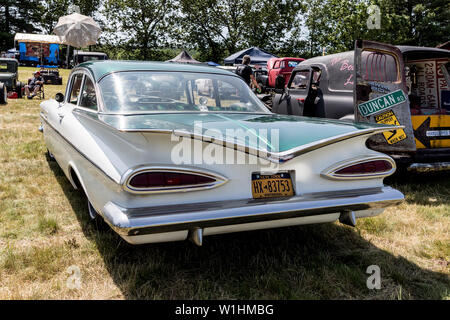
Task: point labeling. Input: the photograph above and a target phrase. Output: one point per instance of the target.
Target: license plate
(272, 185)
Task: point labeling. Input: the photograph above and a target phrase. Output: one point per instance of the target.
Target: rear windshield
(149, 91)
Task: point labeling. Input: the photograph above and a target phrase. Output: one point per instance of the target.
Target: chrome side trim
(159, 219)
(330, 172)
(130, 173)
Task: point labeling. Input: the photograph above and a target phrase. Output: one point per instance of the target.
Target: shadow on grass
(326, 261)
(430, 188)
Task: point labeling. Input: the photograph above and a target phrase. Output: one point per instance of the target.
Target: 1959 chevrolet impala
(159, 161)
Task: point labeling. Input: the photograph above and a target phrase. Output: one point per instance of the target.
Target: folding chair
(40, 93)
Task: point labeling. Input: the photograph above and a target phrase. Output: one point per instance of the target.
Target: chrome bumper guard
(168, 218)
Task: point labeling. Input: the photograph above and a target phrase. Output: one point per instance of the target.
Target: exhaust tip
(348, 218)
(196, 236)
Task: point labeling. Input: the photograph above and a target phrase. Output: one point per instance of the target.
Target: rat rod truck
(380, 83)
(9, 79)
(277, 67)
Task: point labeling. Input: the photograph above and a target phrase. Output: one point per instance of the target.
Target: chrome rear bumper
(171, 218)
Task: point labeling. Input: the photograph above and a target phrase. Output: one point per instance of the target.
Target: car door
(381, 95)
(273, 73)
(58, 117)
(292, 102)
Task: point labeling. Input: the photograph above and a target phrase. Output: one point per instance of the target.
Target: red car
(283, 66)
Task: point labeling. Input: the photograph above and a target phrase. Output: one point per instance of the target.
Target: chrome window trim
(96, 94)
(130, 173)
(330, 172)
(69, 86)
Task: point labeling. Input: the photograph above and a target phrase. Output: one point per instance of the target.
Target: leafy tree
(336, 24)
(18, 16)
(51, 11)
(218, 28)
(143, 26)
(414, 22)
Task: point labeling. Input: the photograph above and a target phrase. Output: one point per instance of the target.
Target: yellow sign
(395, 135)
(431, 131)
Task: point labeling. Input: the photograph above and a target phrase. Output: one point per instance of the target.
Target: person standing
(246, 72)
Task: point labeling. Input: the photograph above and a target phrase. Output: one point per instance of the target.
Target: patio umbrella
(78, 30)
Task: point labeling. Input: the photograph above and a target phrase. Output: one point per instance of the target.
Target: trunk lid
(279, 135)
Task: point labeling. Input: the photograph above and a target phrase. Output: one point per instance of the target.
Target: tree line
(213, 29)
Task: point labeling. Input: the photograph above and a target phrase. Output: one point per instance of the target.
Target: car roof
(325, 59)
(405, 49)
(101, 68)
(349, 54)
(291, 58)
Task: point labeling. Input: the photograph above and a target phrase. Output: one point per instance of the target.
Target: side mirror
(59, 97)
(279, 82)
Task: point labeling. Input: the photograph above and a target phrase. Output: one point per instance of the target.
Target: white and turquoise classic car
(161, 161)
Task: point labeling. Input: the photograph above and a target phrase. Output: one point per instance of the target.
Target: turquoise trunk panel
(271, 132)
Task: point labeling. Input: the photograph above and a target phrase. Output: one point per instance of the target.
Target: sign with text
(381, 103)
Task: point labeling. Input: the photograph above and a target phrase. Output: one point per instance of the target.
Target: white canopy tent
(40, 38)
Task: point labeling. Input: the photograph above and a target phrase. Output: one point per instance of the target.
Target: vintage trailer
(380, 83)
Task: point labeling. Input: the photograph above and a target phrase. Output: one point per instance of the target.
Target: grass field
(44, 230)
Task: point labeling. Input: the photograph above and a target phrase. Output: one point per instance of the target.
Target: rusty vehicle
(276, 67)
(380, 83)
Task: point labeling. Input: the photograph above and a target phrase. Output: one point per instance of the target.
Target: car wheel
(3, 94)
(19, 86)
(60, 80)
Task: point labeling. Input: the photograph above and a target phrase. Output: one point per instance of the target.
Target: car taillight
(361, 168)
(161, 179)
(167, 179)
(375, 166)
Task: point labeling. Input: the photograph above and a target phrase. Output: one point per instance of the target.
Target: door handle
(60, 115)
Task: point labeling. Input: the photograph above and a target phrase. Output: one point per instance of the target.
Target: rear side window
(88, 97)
(379, 66)
(75, 89)
(300, 80)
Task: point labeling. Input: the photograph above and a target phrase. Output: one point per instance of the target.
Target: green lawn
(44, 230)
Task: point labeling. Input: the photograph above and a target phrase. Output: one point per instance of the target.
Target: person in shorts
(34, 86)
